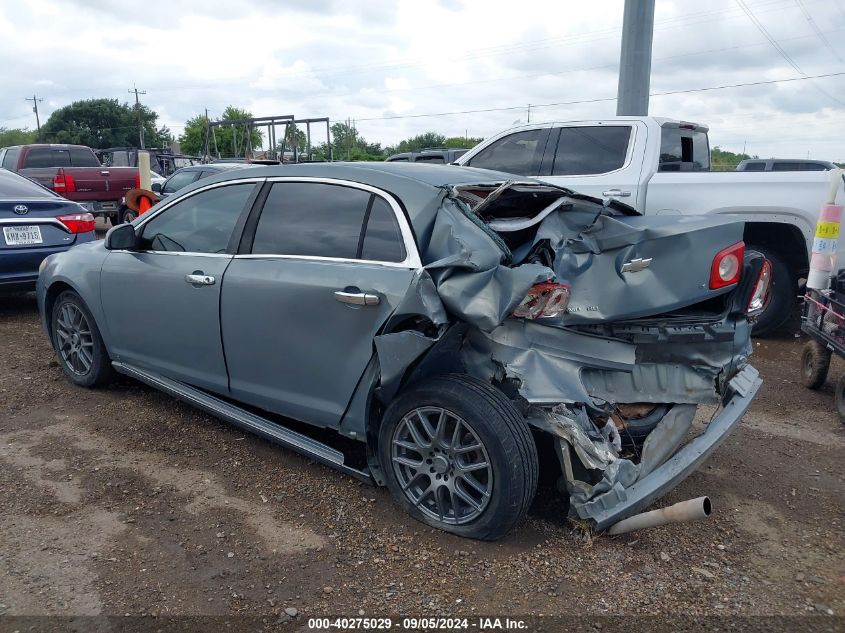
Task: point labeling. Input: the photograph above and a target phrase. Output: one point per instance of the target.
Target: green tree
(16, 136)
(348, 144)
(723, 160)
(102, 123)
(462, 142)
(226, 142)
(421, 141)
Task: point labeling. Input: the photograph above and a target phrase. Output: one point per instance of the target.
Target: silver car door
(328, 265)
(162, 300)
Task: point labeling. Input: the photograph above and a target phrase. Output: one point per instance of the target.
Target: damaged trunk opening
(617, 376)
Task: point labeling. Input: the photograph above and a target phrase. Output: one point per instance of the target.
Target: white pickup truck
(662, 166)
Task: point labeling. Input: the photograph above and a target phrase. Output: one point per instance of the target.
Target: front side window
(519, 153)
(177, 181)
(591, 150)
(201, 223)
(311, 219)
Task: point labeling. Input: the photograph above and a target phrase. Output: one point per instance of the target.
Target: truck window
(517, 153)
(47, 157)
(10, 158)
(591, 150)
(790, 166)
(756, 166)
(81, 157)
(683, 150)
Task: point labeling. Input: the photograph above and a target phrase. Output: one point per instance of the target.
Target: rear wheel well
(785, 239)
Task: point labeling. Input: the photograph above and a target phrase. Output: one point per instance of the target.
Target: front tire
(79, 347)
(458, 456)
(782, 294)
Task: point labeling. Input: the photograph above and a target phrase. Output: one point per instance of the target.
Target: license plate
(22, 235)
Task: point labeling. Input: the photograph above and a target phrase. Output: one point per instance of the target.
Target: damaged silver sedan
(451, 320)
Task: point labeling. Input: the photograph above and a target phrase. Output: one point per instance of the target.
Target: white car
(661, 166)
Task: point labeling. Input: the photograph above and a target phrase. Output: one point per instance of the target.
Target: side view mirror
(156, 187)
(121, 238)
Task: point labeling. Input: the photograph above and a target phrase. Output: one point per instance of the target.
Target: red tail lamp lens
(544, 300)
(727, 266)
(77, 222)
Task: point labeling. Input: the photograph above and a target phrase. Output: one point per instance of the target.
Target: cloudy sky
(386, 63)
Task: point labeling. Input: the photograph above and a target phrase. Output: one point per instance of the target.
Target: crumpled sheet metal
(469, 269)
(574, 429)
(547, 361)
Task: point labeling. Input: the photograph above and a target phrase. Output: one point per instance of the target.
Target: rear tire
(425, 451)
(815, 363)
(79, 347)
(782, 295)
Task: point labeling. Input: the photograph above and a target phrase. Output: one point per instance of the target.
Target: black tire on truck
(459, 456)
(782, 294)
(126, 215)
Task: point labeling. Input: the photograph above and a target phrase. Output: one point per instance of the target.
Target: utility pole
(35, 109)
(138, 112)
(635, 58)
(529, 113)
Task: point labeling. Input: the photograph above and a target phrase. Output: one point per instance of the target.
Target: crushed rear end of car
(608, 329)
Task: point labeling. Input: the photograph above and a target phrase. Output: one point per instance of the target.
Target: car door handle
(105, 173)
(616, 193)
(357, 298)
(198, 279)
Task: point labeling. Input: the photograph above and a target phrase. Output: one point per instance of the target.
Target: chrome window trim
(144, 218)
(412, 258)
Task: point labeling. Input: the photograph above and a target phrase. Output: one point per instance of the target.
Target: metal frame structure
(271, 123)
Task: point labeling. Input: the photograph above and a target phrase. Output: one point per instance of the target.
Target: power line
(138, 111)
(815, 28)
(779, 48)
(35, 102)
(603, 99)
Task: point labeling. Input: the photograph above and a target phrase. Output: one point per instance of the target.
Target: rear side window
(311, 219)
(591, 150)
(432, 158)
(518, 153)
(382, 238)
(80, 157)
(683, 150)
(177, 181)
(788, 166)
(47, 157)
(754, 167)
(202, 223)
(10, 158)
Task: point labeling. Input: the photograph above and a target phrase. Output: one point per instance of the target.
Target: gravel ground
(123, 501)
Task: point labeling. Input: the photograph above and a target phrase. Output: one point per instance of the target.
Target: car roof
(417, 185)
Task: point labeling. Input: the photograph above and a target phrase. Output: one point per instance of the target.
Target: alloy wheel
(442, 465)
(74, 339)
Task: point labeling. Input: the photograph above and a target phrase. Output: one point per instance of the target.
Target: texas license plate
(22, 235)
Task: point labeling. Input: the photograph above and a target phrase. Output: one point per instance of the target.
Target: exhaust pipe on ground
(690, 510)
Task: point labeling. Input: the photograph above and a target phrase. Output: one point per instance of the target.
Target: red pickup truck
(74, 172)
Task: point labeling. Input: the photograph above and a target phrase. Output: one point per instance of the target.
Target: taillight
(138, 180)
(543, 300)
(760, 296)
(63, 183)
(77, 222)
(727, 266)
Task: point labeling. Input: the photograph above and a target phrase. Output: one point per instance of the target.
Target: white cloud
(383, 58)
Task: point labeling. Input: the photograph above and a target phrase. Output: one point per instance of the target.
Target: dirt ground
(124, 502)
